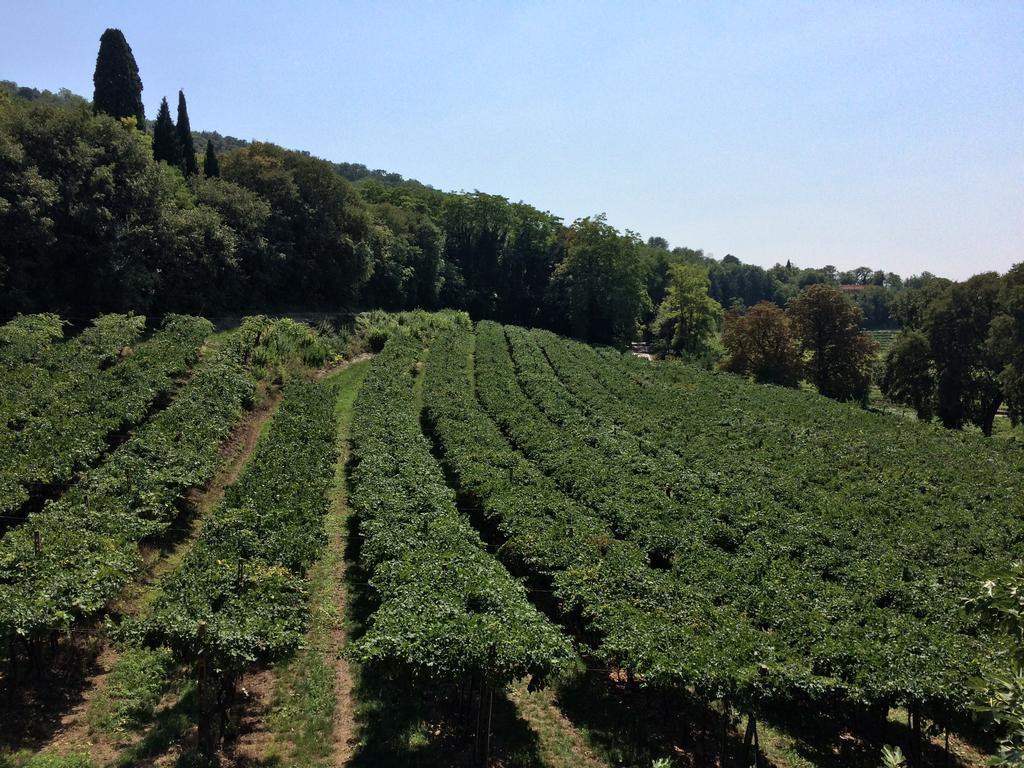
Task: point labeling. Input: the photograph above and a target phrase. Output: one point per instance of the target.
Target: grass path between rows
(559, 743)
(313, 721)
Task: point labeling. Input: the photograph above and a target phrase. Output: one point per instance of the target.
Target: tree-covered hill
(394, 242)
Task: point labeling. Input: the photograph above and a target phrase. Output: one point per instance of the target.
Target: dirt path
(74, 733)
(256, 690)
(237, 450)
(344, 734)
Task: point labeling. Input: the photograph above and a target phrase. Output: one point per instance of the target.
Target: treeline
(100, 218)
(739, 285)
(960, 356)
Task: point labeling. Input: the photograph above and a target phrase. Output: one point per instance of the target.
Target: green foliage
(26, 337)
(57, 413)
(621, 482)
(1006, 338)
(446, 608)
(688, 318)
(317, 223)
(66, 562)
(238, 596)
(958, 323)
(892, 757)
(183, 129)
(1000, 603)
(909, 375)
(828, 326)
(211, 166)
(287, 344)
(499, 256)
(93, 225)
(408, 259)
(599, 286)
(166, 146)
(909, 306)
(732, 283)
(373, 329)
(874, 302)
(306, 695)
(962, 357)
(118, 88)
(132, 691)
(761, 344)
(63, 98)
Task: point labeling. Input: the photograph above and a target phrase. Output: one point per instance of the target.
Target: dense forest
(170, 219)
(98, 223)
(105, 211)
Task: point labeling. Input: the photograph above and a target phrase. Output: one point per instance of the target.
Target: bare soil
(344, 716)
(256, 691)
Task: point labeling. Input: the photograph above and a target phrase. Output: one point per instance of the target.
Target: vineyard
(717, 567)
(884, 339)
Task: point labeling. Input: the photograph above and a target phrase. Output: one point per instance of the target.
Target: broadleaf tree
(597, 291)
(908, 375)
(761, 344)
(829, 327)
(688, 317)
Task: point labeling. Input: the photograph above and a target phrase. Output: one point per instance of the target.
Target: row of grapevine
(637, 507)
(40, 371)
(937, 497)
(59, 411)
(27, 337)
(67, 561)
(864, 576)
(238, 595)
(634, 615)
(446, 609)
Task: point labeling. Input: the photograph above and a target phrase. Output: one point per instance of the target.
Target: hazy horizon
(886, 136)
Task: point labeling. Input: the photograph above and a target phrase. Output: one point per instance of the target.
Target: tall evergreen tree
(188, 149)
(118, 87)
(211, 167)
(165, 138)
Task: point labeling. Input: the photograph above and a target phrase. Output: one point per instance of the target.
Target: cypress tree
(188, 149)
(210, 165)
(117, 85)
(165, 139)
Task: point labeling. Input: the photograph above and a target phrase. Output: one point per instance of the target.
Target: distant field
(884, 339)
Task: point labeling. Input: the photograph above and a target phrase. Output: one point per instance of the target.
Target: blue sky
(885, 134)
